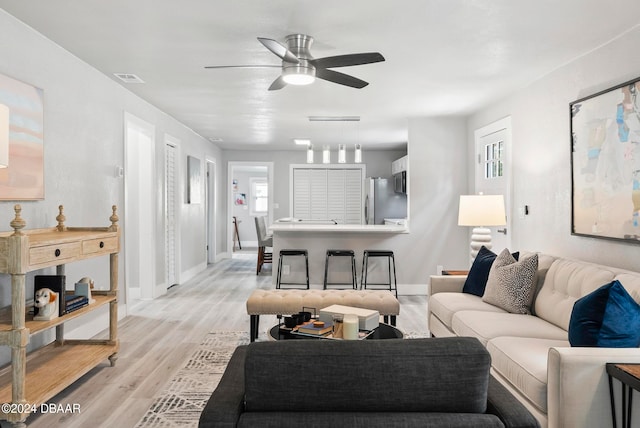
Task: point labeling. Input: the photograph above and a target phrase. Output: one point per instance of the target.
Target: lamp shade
(481, 210)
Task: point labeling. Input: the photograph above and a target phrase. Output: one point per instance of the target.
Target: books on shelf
(74, 302)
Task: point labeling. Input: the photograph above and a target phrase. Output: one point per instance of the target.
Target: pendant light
(310, 153)
(358, 154)
(326, 154)
(342, 153)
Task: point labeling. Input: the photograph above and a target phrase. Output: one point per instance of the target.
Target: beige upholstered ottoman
(281, 302)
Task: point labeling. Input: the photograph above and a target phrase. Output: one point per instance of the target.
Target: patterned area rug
(184, 397)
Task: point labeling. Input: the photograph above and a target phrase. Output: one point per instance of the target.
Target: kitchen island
(317, 238)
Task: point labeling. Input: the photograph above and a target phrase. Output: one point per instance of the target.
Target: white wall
(541, 151)
(83, 143)
(437, 177)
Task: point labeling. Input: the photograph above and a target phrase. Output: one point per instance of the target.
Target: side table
(455, 272)
(629, 376)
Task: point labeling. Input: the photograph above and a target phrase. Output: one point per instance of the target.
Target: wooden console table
(53, 367)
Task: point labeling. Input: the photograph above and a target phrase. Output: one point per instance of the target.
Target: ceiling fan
(300, 68)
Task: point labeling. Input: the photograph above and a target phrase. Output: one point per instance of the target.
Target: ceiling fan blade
(279, 83)
(279, 49)
(347, 60)
(243, 66)
(340, 78)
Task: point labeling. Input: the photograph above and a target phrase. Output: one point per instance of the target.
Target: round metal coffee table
(384, 331)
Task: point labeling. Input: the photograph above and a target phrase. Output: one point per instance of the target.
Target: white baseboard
(160, 290)
(133, 293)
(188, 274)
(92, 324)
(412, 289)
(222, 256)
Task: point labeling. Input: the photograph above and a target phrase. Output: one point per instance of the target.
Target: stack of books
(73, 302)
(311, 328)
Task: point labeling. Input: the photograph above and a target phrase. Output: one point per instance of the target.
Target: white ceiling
(443, 57)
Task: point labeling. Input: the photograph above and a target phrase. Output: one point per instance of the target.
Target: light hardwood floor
(158, 336)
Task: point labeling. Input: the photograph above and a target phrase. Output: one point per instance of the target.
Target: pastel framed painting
(21, 140)
(605, 164)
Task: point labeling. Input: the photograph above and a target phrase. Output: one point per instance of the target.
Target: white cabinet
(325, 194)
(399, 165)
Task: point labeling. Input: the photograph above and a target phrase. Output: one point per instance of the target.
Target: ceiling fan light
(298, 75)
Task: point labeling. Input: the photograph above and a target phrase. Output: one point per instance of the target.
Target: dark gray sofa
(437, 382)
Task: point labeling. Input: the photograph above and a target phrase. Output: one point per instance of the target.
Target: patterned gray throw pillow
(511, 283)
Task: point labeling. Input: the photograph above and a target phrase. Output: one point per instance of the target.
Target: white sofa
(562, 386)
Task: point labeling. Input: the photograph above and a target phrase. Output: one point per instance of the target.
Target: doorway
(171, 213)
(493, 172)
(211, 215)
(140, 203)
(241, 202)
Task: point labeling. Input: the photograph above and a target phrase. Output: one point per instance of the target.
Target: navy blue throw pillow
(479, 273)
(607, 317)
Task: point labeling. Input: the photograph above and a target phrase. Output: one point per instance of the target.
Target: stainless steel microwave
(400, 182)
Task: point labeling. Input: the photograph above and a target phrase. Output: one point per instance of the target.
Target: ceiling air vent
(128, 78)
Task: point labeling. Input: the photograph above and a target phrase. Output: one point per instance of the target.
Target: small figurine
(47, 303)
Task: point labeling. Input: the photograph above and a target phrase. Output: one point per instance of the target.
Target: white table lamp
(481, 211)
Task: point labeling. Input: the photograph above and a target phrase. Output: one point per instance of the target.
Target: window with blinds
(325, 194)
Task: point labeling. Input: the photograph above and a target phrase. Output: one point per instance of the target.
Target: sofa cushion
(487, 325)
(565, 282)
(511, 283)
(296, 419)
(522, 361)
(410, 375)
(607, 317)
(444, 305)
(631, 282)
(479, 273)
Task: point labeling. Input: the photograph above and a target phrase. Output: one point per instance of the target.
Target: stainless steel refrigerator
(381, 201)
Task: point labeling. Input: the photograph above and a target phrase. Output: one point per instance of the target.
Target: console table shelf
(37, 377)
(53, 368)
(37, 326)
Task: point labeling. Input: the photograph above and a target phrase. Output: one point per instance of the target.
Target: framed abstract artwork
(21, 141)
(605, 164)
(194, 180)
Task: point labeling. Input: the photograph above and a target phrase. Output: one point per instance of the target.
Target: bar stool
(341, 253)
(284, 253)
(390, 260)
